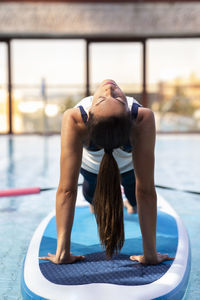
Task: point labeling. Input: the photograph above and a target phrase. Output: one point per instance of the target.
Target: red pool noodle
(20, 192)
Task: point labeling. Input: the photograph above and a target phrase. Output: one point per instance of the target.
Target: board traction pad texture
(96, 268)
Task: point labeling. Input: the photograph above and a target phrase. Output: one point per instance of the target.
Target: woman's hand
(68, 259)
(151, 261)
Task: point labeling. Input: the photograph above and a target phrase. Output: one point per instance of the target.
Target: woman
(106, 135)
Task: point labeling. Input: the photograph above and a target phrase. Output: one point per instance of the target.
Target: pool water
(27, 161)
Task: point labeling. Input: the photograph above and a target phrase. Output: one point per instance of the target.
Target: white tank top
(91, 159)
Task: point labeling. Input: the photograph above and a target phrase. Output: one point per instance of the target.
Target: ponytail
(108, 205)
(109, 133)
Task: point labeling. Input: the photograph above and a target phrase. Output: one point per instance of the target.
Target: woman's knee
(89, 185)
(128, 183)
(88, 191)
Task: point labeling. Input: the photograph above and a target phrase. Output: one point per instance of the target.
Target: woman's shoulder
(73, 122)
(145, 117)
(145, 113)
(72, 115)
(144, 129)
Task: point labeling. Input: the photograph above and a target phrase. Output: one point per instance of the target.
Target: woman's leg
(128, 183)
(89, 185)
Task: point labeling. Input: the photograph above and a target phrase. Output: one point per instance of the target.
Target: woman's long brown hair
(109, 133)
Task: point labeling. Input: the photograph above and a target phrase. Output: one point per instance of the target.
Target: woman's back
(92, 155)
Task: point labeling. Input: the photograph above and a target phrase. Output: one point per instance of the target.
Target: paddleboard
(99, 278)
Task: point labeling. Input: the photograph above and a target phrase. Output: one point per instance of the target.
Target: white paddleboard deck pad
(99, 277)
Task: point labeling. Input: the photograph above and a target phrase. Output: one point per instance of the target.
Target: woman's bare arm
(70, 162)
(143, 158)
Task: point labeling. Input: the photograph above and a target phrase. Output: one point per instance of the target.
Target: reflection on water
(178, 161)
(175, 122)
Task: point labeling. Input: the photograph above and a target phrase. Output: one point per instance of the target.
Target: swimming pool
(34, 161)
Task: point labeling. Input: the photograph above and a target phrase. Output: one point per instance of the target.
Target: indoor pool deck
(27, 161)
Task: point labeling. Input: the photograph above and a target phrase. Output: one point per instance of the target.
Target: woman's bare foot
(91, 208)
(130, 209)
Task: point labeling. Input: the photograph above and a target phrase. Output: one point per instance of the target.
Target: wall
(105, 19)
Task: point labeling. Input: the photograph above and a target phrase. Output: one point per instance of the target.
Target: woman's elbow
(66, 194)
(146, 194)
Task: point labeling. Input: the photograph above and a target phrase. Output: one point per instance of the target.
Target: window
(121, 62)
(3, 89)
(48, 77)
(174, 83)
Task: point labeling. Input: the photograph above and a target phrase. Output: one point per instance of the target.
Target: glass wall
(3, 89)
(121, 62)
(174, 83)
(48, 77)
